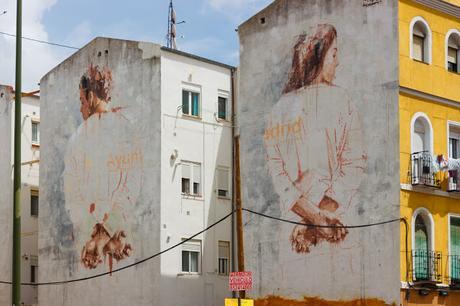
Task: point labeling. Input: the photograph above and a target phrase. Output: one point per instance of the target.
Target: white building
(137, 139)
(30, 156)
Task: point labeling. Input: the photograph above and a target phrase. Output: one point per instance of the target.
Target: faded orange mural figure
(101, 186)
(314, 144)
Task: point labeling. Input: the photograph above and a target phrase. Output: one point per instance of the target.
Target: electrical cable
(321, 226)
(42, 41)
(199, 233)
(125, 267)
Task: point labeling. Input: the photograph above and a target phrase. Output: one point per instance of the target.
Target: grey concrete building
(318, 119)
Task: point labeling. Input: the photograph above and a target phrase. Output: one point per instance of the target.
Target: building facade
(318, 123)
(30, 156)
(429, 111)
(137, 152)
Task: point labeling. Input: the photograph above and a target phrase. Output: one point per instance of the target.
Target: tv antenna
(172, 22)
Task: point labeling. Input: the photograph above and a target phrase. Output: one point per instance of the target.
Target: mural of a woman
(314, 144)
(102, 185)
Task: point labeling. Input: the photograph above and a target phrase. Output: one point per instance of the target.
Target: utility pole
(171, 36)
(16, 288)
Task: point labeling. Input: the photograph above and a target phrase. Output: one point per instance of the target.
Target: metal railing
(422, 170)
(426, 266)
(452, 181)
(454, 269)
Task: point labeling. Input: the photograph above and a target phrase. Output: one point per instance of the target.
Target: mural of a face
(330, 64)
(95, 87)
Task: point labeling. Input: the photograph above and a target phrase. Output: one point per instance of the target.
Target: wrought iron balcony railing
(454, 269)
(452, 181)
(423, 171)
(426, 266)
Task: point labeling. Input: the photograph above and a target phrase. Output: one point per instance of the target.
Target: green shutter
(421, 251)
(455, 248)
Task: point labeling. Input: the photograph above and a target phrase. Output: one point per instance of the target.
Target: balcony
(423, 172)
(427, 267)
(452, 181)
(454, 270)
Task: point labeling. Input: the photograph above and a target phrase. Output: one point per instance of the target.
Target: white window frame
(449, 125)
(192, 166)
(194, 245)
(427, 46)
(219, 257)
(192, 88)
(32, 123)
(223, 94)
(428, 138)
(448, 35)
(429, 222)
(229, 183)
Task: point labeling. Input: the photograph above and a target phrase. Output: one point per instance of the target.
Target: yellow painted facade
(431, 79)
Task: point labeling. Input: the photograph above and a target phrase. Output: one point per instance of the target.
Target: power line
(41, 41)
(321, 226)
(199, 233)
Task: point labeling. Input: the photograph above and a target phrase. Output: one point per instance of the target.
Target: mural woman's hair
(309, 55)
(97, 81)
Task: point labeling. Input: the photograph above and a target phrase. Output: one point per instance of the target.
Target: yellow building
(429, 106)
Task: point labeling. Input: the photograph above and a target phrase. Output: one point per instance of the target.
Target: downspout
(233, 99)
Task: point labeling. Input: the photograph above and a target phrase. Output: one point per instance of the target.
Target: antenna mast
(171, 36)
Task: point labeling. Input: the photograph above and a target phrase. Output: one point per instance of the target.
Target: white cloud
(38, 58)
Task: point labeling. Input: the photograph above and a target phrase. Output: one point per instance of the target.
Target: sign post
(240, 281)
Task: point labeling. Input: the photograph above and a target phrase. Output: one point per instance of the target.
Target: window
(190, 103)
(222, 108)
(454, 241)
(224, 257)
(33, 273)
(34, 203)
(452, 59)
(452, 46)
(191, 259)
(191, 178)
(454, 141)
(420, 40)
(35, 132)
(223, 182)
(425, 259)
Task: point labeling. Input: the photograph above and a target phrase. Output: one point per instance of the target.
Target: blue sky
(209, 30)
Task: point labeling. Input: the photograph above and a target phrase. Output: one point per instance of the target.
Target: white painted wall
(30, 181)
(206, 141)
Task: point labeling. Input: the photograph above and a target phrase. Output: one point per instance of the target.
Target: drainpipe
(232, 85)
(16, 269)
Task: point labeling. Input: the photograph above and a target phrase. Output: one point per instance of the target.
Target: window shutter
(417, 47)
(222, 179)
(224, 249)
(185, 104)
(452, 55)
(185, 171)
(192, 246)
(197, 173)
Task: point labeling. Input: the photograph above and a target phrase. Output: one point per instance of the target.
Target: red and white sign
(240, 281)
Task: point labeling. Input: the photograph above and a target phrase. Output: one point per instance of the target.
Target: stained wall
(100, 175)
(6, 196)
(318, 121)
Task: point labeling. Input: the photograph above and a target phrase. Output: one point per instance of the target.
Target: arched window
(420, 40)
(452, 49)
(421, 133)
(422, 244)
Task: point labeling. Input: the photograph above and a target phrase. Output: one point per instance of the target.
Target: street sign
(240, 281)
(243, 302)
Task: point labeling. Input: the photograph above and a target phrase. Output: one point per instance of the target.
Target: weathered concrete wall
(100, 175)
(6, 196)
(319, 145)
